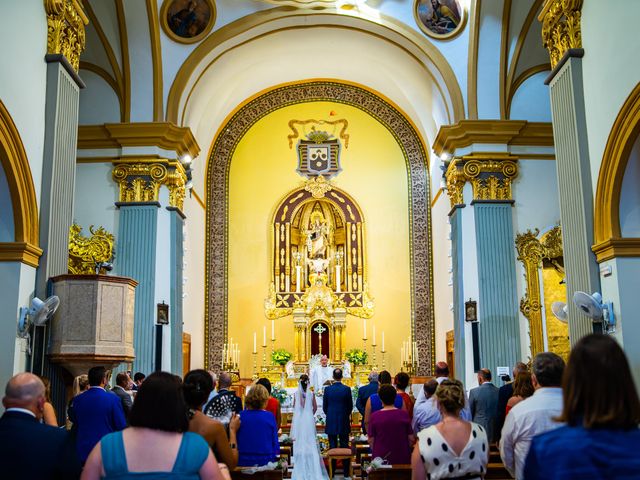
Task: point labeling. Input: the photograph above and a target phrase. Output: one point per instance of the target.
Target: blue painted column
(176, 260)
(136, 258)
(499, 329)
(455, 220)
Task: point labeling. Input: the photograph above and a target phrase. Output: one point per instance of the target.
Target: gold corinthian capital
(65, 29)
(490, 176)
(561, 27)
(141, 181)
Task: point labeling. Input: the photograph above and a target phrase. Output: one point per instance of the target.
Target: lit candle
(364, 330)
(273, 329)
(255, 350)
(264, 336)
(402, 354)
(383, 341)
(298, 269)
(373, 342)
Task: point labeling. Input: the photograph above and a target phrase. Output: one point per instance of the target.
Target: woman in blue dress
(158, 444)
(258, 434)
(601, 409)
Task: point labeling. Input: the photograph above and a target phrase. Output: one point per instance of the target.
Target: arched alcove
(15, 164)
(413, 151)
(608, 236)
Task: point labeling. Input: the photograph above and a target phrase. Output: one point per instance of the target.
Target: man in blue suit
(364, 393)
(28, 448)
(96, 413)
(337, 404)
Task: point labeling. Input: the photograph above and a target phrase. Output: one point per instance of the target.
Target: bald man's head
(25, 390)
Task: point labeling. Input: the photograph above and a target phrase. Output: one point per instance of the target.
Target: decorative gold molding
(504, 51)
(616, 247)
(561, 27)
(23, 252)
(186, 40)
(140, 182)
(65, 29)
(317, 186)
(531, 252)
(198, 199)
(508, 132)
(472, 68)
(85, 252)
(156, 56)
(490, 176)
(124, 52)
(143, 134)
(624, 133)
(14, 162)
(384, 28)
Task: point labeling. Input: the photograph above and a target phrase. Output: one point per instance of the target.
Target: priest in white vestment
(321, 374)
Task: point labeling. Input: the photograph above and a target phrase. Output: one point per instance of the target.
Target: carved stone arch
(13, 159)
(607, 232)
(218, 166)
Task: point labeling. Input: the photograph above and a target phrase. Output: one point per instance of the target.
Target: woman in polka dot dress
(454, 448)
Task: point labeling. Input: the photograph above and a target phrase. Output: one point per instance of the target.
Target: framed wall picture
(440, 19)
(187, 21)
(162, 314)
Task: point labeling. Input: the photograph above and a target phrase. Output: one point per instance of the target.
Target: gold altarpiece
(318, 267)
(542, 258)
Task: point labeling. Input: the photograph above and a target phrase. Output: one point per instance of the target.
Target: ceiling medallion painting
(440, 19)
(187, 21)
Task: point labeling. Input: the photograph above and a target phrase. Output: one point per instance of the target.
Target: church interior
(247, 185)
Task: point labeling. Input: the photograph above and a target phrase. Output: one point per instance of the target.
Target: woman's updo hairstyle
(304, 381)
(197, 386)
(450, 396)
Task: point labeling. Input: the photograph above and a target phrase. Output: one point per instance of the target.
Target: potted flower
(280, 356)
(357, 356)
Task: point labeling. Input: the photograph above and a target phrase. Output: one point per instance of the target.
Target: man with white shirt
(533, 415)
(28, 448)
(427, 413)
(442, 374)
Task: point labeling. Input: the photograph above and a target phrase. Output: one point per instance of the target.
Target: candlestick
(338, 279)
(402, 355)
(264, 336)
(383, 350)
(264, 357)
(383, 365)
(255, 350)
(298, 275)
(255, 369)
(364, 329)
(273, 330)
(374, 363)
(373, 342)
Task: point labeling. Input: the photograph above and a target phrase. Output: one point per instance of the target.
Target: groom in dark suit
(337, 404)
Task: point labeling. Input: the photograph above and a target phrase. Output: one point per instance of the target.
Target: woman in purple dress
(390, 433)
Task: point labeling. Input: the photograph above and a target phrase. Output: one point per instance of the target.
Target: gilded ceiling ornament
(531, 251)
(490, 178)
(561, 27)
(317, 186)
(86, 252)
(303, 3)
(65, 29)
(141, 182)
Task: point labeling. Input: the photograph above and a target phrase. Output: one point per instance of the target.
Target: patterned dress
(440, 461)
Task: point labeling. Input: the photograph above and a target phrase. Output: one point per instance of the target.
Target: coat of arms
(319, 152)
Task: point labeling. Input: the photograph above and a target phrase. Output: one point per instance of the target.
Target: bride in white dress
(307, 462)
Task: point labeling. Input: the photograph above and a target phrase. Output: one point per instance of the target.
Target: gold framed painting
(187, 21)
(440, 19)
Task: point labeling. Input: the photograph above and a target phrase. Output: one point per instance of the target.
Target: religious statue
(317, 236)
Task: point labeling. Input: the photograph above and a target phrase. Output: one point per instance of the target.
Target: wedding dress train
(307, 462)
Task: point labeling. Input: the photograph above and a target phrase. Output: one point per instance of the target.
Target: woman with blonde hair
(258, 434)
(453, 448)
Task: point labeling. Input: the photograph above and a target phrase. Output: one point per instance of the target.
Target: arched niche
(15, 164)
(608, 238)
(413, 150)
(345, 224)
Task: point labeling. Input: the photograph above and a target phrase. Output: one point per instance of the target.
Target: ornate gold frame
(179, 39)
(447, 36)
(531, 251)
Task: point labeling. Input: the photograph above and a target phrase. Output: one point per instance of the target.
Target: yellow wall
(263, 170)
